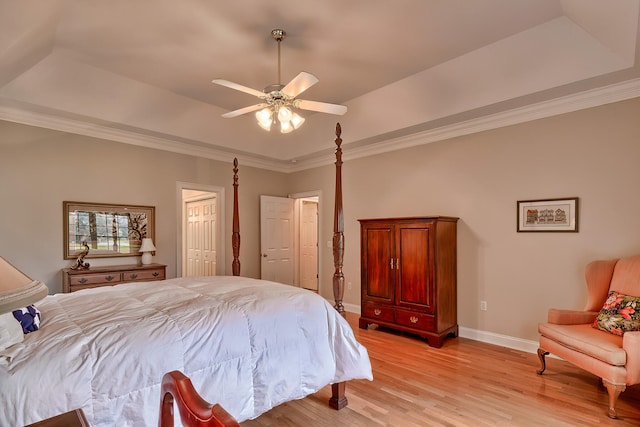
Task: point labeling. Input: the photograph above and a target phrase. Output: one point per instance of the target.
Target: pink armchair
(569, 334)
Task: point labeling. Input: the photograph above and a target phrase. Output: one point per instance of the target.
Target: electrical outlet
(349, 285)
(483, 305)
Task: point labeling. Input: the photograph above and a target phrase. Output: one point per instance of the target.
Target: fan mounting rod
(278, 35)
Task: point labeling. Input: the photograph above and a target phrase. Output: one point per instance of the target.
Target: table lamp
(17, 290)
(146, 248)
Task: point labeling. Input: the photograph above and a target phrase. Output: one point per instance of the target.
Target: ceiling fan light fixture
(279, 101)
(265, 118)
(296, 120)
(285, 127)
(284, 114)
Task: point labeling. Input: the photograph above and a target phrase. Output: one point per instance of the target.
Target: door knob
(264, 255)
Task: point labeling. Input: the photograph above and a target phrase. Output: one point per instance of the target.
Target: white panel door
(276, 239)
(309, 245)
(194, 248)
(201, 238)
(208, 221)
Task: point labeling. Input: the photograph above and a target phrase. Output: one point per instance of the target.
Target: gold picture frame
(108, 230)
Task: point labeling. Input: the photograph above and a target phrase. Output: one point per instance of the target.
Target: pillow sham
(10, 331)
(620, 314)
(29, 318)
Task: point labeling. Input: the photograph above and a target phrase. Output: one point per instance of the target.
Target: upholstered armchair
(610, 347)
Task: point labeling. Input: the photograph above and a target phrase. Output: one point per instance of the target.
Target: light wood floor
(464, 383)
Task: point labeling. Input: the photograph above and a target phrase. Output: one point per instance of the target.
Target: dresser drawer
(415, 320)
(92, 279)
(380, 312)
(137, 276)
(75, 280)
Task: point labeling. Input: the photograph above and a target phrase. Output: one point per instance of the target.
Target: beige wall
(39, 169)
(591, 154)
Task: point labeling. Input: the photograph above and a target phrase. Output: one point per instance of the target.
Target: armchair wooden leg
(543, 364)
(614, 391)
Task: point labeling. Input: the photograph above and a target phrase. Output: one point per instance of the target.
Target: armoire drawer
(380, 312)
(414, 320)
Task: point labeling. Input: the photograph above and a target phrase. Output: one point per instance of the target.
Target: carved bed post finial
(338, 229)
(235, 237)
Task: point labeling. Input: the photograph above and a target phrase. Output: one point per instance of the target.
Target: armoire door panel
(378, 268)
(414, 267)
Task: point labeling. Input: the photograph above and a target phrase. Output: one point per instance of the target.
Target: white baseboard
(527, 346)
(352, 308)
(507, 341)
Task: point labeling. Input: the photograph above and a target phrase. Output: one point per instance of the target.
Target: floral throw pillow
(620, 314)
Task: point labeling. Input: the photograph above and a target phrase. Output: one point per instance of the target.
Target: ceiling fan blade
(239, 87)
(241, 111)
(322, 107)
(299, 84)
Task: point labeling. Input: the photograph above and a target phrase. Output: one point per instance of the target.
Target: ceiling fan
(279, 101)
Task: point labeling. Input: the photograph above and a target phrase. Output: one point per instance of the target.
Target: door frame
(305, 195)
(220, 224)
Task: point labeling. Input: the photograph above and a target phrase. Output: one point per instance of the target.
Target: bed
(246, 344)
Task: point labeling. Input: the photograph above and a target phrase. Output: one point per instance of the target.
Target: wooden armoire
(408, 275)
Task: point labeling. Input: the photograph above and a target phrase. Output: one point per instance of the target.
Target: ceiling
(409, 71)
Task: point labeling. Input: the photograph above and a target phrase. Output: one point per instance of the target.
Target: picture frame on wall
(548, 215)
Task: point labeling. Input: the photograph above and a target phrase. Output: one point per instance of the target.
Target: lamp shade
(17, 289)
(147, 245)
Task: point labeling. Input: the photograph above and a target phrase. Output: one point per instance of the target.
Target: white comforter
(246, 344)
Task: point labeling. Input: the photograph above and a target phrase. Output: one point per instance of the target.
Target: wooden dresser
(75, 280)
(408, 275)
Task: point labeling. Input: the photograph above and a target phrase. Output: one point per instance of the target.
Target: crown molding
(24, 114)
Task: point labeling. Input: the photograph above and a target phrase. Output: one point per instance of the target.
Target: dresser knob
(134, 276)
(109, 278)
(155, 274)
(413, 319)
(83, 280)
(377, 312)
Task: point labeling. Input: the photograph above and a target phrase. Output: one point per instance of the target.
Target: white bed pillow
(10, 331)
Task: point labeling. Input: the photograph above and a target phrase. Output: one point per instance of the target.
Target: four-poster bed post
(338, 398)
(338, 229)
(235, 236)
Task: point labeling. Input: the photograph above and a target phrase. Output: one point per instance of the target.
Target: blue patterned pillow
(29, 318)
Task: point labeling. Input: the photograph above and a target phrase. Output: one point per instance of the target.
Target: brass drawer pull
(134, 276)
(413, 319)
(109, 278)
(377, 312)
(83, 280)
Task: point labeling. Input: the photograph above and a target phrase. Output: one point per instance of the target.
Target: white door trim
(321, 245)
(221, 242)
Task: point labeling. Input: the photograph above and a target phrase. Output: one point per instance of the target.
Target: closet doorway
(289, 239)
(201, 251)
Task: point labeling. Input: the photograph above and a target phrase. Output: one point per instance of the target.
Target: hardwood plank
(464, 383)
